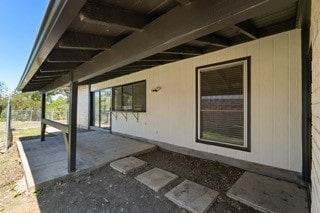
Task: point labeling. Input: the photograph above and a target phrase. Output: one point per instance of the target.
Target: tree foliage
(56, 101)
(26, 101)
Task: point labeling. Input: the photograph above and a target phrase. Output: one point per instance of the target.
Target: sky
(19, 25)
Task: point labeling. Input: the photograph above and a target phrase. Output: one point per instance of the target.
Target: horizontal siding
(275, 101)
(315, 170)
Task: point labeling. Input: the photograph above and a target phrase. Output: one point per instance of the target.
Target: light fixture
(157, 89)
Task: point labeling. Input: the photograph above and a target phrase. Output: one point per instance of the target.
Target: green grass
(38, 192)
(17, 133)
(26, 132)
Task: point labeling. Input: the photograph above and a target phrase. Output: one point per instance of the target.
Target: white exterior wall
(275, 102)
(315, 170)
(83, 107)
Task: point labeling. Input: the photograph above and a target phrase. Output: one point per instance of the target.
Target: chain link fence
(35, 115)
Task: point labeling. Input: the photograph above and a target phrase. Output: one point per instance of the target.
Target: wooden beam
(54, 71)
(144, 64)
(211, 49)
(40, 84)
(246, 28)
(184, 50)
(164, 57)
(63, 55)
(58, 66)
(303, 13)
(277, 28)
(83, 41)
(239, 39)
(111, 15)
(46, 76)
(214, 40)
(42, 80)
(176, 27)
(184, 2)
(57, 125)
(124, 70)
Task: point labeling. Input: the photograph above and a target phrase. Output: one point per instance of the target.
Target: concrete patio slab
(268, 194)
(128, 164)
(192, 196)
(156, 178)
(46, 162)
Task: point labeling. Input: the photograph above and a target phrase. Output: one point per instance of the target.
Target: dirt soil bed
(11, 198)
(106, 190)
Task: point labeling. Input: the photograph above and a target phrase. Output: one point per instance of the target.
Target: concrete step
(268, 194)
(128, 164)
(192, 196)
(156, 178)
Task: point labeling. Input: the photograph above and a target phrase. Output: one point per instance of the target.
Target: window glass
(139, 94)
(105, 104)
(117, 100)
(96, 108)
(222, 104)
(127, 98)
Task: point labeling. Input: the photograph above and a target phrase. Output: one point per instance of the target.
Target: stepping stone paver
(156, 178)
(192, 196)
(128, 164)
(268, 194)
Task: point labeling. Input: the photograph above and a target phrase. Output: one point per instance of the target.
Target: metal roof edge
(58, 16)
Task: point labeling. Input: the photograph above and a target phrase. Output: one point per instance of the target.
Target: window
(127, 97)
(223, 104)
(117, 101)
(139, 94)
(130, 97)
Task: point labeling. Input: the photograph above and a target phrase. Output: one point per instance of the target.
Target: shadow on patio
(46, 162)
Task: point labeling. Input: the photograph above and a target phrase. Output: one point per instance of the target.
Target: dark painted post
(72, 145)
(43, 115)
(306, 104)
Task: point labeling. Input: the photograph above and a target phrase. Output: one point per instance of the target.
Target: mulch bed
(106, 190)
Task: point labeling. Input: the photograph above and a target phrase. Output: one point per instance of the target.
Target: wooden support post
(43, 115)
(72, 135)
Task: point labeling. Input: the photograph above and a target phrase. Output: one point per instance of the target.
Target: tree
(3, 89)
(26, 101)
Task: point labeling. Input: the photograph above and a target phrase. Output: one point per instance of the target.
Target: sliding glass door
(101, 108)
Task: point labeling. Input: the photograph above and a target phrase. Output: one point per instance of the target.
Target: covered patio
(226, 79)
(46, 163)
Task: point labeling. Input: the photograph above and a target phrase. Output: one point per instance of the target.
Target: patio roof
(92, 41)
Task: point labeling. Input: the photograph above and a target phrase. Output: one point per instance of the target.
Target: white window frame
(245, 62)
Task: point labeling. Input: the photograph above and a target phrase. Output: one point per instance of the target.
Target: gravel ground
(106, 190)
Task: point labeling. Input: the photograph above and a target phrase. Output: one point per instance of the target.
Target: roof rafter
(277, 28)
(58, 17)
(111, 15)
(214, 40)
(58, 66)
(246, 28)
(184, 2)
(83, 41)
(168, 31)
(59, 55)
(184, 50)
(165, 57)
